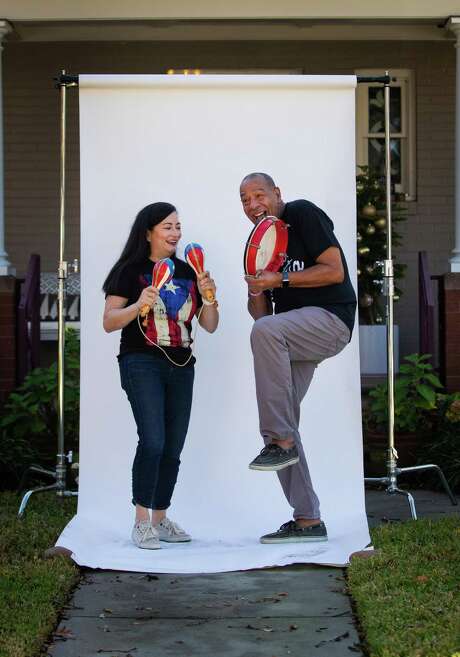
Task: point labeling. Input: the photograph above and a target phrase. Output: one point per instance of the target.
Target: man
(314, 304)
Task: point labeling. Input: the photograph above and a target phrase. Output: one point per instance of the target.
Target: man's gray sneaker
(274, 457)
(171, 532)
(145, 536)
(290, 532)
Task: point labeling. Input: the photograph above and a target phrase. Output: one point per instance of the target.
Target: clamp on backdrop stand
(393, 472)
(60, 473)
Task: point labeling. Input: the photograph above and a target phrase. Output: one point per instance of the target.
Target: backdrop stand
(151, 108)
(60, 473)
(393, 472)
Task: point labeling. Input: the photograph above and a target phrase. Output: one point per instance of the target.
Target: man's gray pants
(287, 348)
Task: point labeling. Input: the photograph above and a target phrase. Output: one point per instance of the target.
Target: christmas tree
(371, 238)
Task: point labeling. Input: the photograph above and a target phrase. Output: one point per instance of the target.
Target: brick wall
(32, 121)
(7, 336)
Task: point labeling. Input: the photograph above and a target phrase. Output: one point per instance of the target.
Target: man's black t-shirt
(169, 322)
(311, 232)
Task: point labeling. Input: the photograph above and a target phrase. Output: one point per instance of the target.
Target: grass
(32, 589)
(408, 596)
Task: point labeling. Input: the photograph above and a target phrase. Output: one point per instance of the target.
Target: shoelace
(271, 447)
(290, 525)
(171, 527)
(146, 530)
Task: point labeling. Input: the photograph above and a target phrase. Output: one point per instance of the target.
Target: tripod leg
(376, 480)
(29, 493)
(432, 466)
(446, 485)
(38, 470)
(410, 499)
(43, 471)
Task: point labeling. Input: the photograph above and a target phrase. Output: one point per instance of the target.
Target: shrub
(415, 393)
(443, 444)
(422, 410)
(28, 428)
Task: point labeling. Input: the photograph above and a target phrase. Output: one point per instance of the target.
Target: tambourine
(194, 254)
(163, 271)
(266, 246)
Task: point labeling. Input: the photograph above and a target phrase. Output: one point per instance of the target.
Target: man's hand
(327, 270)
(259, 305)
(263, 280)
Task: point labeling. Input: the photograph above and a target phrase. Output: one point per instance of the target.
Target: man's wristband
(206, 302)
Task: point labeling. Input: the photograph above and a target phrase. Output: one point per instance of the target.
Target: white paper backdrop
(190, 141)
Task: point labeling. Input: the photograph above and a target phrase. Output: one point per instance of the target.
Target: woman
(156, 365)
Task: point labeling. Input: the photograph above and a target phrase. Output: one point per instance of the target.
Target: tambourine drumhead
(266, 246)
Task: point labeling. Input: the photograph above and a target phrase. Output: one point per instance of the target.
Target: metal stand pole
(60, 472)
(391, 479)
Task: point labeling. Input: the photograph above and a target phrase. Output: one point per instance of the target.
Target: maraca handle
(209, 296)
(144, 311)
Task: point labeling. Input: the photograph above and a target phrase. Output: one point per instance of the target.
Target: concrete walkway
(382, 507)
(295, 610)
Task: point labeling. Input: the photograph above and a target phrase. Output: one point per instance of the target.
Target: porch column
(453, 25)
(5, 266)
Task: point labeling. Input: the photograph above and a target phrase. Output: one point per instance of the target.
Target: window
(370, 117)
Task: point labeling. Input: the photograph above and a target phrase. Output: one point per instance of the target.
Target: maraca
(194, 255)
(163, 271)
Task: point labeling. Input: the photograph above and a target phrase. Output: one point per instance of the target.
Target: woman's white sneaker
(145, 535)
(171, 532)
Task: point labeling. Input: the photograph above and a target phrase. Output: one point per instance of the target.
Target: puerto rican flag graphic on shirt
(170, 322)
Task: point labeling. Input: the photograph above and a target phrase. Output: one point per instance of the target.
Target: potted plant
(371, 246)
(416, 396)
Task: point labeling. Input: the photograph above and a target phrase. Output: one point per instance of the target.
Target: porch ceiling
(431, 29)
(24, 10)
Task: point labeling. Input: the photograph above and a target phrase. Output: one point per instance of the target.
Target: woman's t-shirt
(169, 323)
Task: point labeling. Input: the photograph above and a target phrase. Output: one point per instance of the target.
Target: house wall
(32, 125)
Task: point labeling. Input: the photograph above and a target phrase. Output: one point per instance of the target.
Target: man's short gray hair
(258, 174)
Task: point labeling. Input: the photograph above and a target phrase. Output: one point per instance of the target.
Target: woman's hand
(208, 314)
(205, 283)
(148, 297)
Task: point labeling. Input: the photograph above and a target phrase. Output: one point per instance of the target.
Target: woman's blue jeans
(160, 395)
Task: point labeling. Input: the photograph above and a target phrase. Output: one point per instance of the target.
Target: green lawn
(408, 596)
(32, 589)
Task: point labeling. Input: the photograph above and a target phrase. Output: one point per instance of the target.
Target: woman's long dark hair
(137, 248)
